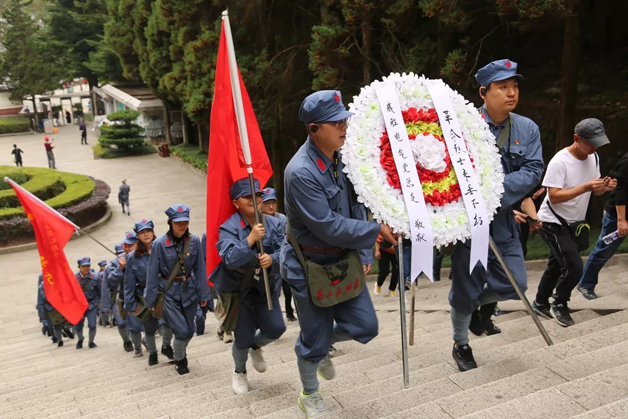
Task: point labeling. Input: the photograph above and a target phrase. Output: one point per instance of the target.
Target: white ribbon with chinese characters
(420, 226)
(461, 162)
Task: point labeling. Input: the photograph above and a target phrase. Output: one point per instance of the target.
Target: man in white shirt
(572, 174)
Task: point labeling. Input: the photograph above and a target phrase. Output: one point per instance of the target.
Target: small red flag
(53, 231)
(226, 162)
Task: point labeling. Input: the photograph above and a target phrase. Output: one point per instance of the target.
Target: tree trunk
(167, 136)
(569, 80)
(184, 125)
(367, 35)
(443, 43)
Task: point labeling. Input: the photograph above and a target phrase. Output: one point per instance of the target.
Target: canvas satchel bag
(333, 283)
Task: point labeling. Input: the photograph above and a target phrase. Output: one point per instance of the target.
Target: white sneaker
(228, 337)
(239, 383)
(377, 290)
(312, 404)
(258, 359)
(326, 368)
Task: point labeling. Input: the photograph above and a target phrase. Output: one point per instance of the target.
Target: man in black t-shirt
(17, 155)
(614, 219)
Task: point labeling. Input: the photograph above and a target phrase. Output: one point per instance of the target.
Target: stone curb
(29, 246)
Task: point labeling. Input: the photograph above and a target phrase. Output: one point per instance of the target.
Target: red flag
(226, 162)
(53, 231)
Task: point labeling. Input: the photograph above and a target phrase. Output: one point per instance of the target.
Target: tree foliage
(26, 66)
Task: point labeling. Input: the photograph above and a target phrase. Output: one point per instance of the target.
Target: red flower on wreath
(441, 195)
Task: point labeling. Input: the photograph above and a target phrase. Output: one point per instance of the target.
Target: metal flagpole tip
(6, 179)
(225, 13)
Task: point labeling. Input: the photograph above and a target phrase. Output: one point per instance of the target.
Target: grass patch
(192, 155)
(14, 124)
(57, 189)
(114, 153)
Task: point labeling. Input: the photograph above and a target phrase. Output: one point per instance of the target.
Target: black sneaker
(68, 332)
(128, 346)
(477, 325)
(92, 345)
(486, 312)
(561, 314)
(291, 318)
(463, 355)
(152, 359)
(79, 344)
(167, 351)
(490, 328)
(542, 310)
(60, 343)
(182, 366)
(587, 293)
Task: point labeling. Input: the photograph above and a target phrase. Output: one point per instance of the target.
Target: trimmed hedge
(114, 153)
(122, 136)
(16, 176)
(15, 124)
(191, 155)
(18, 230)
(57, 189)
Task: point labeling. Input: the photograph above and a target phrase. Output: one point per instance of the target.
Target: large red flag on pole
(53, 231)
(226, 161)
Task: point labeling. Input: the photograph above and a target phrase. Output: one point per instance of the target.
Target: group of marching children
(153, 285)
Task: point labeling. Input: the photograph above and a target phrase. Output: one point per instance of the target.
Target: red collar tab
(242, 224)
(321, 165)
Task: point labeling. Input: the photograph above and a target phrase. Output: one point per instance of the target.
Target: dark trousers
(83, 137)
(18, 163)
(524, 235)
(564, 267)
(383, 264)
(287, 294)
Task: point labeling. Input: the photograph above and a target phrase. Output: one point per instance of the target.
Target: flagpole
(244, 136)
(78, 229)
(402, 313)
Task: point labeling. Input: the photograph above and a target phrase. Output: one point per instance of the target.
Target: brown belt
(177, 278)
(322, 250)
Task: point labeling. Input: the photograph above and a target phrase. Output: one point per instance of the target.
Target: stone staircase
(584, 375)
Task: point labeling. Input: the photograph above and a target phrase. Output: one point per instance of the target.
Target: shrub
(124, 134)
(19, 230)
(57, 189)
(16, 176)
(14, 124)
(191, 155)
(113, 153)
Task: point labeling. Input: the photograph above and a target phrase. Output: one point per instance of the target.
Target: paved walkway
(584, 375)
(156, 183)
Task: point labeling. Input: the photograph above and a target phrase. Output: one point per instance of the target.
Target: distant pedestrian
(17, 155)
(123, 197)
(83, 129)
(68, 117)
(386, 256)
(49, 153)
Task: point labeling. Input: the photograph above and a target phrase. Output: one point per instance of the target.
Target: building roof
(138, 98)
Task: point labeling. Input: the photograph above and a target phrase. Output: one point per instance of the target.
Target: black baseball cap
(592, 130)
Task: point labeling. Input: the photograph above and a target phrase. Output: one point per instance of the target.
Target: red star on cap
(337, 97)
(508, 65)
(128, 235)
(180, 209)
(143, 221)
